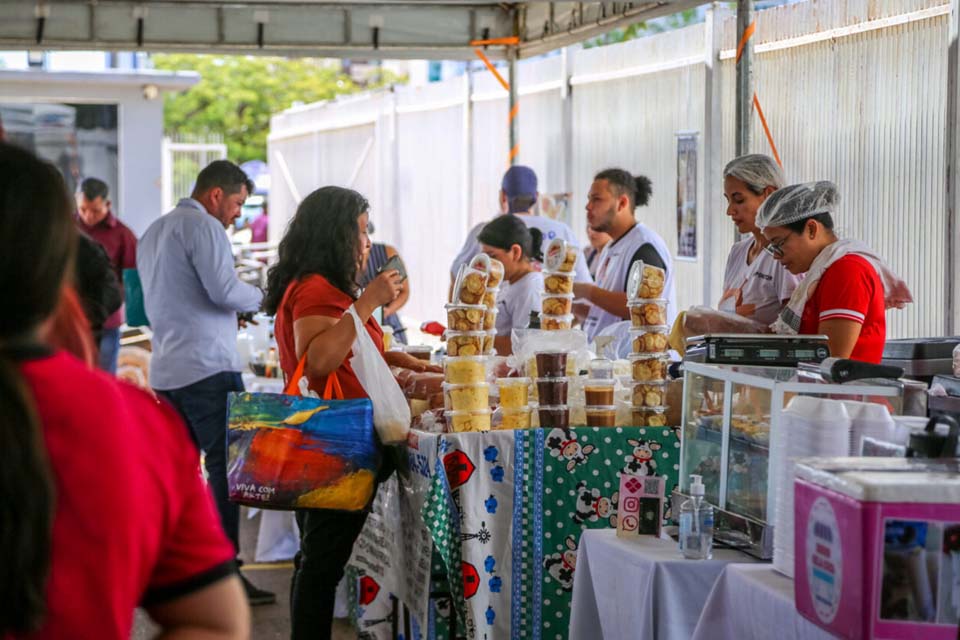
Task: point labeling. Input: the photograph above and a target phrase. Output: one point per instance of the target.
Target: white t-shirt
(615, 262)
(755, 290)
(516, 300)
(549, 227)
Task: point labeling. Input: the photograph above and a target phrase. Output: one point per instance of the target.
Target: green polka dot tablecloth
(504, 511)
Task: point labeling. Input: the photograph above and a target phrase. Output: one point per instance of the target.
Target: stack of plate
(868, 420)
(810, 427)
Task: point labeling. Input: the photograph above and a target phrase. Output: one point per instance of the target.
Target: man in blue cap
(518, 196)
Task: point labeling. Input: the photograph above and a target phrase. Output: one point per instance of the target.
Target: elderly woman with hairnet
(847, 288)
(754, 284)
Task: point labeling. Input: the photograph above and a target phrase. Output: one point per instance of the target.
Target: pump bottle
(696, 523)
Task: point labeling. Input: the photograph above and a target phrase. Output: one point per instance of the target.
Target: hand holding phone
(395, 263)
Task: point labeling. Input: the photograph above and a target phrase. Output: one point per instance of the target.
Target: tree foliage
(649, 27)
(237, 95)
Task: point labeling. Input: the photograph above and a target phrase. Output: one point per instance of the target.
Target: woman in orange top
(309, 290)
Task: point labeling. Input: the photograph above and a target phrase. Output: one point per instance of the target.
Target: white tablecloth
(640, 588)
(754, 602)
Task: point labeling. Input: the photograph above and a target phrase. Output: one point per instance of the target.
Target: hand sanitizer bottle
(696, 523)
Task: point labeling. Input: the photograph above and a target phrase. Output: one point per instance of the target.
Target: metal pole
(744, 130)
(514, 116)
(951, 310)
(712, 145)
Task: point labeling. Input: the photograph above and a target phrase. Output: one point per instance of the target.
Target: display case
(731, 420)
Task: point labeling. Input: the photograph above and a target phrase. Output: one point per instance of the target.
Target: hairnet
(757, 171)
(798, 202)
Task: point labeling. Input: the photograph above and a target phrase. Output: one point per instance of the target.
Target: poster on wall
(555, 206)
(687, 196)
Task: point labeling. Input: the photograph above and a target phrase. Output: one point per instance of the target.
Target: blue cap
(519, 181)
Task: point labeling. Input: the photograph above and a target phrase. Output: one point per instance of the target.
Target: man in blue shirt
(192, 296)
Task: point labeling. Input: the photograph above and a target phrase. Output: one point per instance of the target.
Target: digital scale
(763, 349)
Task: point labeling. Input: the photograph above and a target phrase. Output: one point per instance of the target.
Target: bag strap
(332, 390)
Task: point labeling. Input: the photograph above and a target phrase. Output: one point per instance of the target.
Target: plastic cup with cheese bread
(556, 304)
(645, 281)
(470, 286)
(561, 256)
(465, 317)
(468, 421)
(645, 313)
(464, 343)
(514, 392)
(466, 397)
(518, 418)
(556, 323)
(558, 282)
(465, 369)
(488, 341)
(490, 319)
(649, 367)
(489, 300)
(649, 394)
(650, 339)
(649, 417)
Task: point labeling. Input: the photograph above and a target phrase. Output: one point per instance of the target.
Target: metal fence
(182, 159)
(854, 91)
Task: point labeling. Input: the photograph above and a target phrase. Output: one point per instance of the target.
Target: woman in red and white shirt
(847, 287)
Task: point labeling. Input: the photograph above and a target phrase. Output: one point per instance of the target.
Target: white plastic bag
(391, 413)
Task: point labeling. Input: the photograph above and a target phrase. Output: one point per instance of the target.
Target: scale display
(758, 349)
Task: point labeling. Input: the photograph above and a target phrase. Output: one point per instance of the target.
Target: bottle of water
(696, 523)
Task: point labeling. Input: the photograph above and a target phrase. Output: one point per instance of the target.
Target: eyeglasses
(776, 248)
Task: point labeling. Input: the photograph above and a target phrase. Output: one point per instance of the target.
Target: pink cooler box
(877, 551)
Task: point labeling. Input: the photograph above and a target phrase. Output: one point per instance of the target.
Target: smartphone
(395, 263)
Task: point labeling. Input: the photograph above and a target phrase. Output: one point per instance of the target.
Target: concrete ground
(270, 622)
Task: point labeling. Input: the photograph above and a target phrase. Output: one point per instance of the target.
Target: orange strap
(493, 69)
(513, 40)
(766, 130)
(746, 36)
(332, 390)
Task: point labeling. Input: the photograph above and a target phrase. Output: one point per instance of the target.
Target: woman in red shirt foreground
(847, 288)
(101, 502)
(313, 283)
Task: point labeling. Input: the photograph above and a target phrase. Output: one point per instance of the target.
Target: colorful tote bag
(289, 451)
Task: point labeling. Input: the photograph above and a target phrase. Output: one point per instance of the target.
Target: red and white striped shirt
(850, 290)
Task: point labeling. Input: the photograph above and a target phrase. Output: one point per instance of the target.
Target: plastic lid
(547, 294)
(509, 382)
(451, 333)
(454, 385)
(648, 356)
(468, 412)
(637, 302)
(452, 359)
(696, 485)
(560, 379)
(511, 411)
(463, 305)
(493, 289)
(599, 382)
(480, 262)
(556, 254)
(568, 317)
(600, 407)
(553, 407)
(651, 383)
(633, 279)
(418, 348)
(650, 328)
(657, 410)
(601, 363)
(552, 272)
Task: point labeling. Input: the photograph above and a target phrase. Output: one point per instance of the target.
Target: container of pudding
(648, 367)
(554, 282)
(556, 304)
(514, 418)
(464, 343)
(603, 416)
(465, 317)
(465, 369)
(650, 417)
(514, 392)
(551, 364)
(466, 397)
(553, 391)
(490, 319)
(649, 394)
(419, 351)
(646, 313)
(467, 421)
(601, 369)
(554, 416)
(556, 323)
(599, 392)
(650, 339)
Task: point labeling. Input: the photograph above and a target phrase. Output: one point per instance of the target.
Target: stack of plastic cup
(648, 333)
(553, 387)
(514, 410)
(556, 307)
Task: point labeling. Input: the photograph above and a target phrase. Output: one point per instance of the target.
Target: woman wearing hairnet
(847, 288)
(755, 285)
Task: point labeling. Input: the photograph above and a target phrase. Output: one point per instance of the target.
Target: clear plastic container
(551, 364)
(466, 397)
(553, 391)
(649, 417)
(648, 367)
(467, 421)
(649, 394)
(488, 338)
(561, 256)
(514, 392)
(601, 369)
(556, 323)
(556, 304)
(554, 282)
(465, 317)
(603, 416)
(554, 416)
(513, 418)
(419, 351)
(651, 339)
(465, 370)
(471, 285)
(464, 343)
(645, 313)
(599, 392)
(490, 298)
(490, 319)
